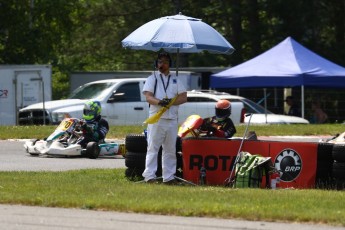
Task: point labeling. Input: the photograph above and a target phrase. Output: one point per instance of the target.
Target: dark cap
(164, 54)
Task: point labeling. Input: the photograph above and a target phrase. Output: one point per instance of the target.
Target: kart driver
(93, 126)
(220, 125)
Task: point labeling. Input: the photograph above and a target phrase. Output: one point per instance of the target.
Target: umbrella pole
(177, 61)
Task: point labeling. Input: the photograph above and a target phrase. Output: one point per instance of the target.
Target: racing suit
(216, 128)
(93, 131)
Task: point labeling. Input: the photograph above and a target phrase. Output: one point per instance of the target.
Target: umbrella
(175, 34)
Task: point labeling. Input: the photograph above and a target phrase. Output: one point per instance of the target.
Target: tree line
(86, 35)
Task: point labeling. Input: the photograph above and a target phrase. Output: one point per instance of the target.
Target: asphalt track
(13, 217)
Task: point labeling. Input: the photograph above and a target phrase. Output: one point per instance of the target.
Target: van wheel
(92, 150)
(136, 143)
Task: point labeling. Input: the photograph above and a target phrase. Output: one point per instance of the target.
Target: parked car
(259, 114)
(124, 104)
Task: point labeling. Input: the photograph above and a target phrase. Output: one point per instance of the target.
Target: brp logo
(3, 93)
(289, 163)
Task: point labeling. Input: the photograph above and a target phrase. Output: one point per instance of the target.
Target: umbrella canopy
(176, 34)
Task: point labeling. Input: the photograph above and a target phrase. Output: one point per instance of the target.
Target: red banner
(295, 160)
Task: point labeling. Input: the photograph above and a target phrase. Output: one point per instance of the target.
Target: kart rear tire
(92, 150)
(136, 143)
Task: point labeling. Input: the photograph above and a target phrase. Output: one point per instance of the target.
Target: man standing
(159, 89)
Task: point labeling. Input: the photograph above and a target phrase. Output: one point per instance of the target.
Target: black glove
(87, 130)
(164, 102)
(207, 127)
(211, 128)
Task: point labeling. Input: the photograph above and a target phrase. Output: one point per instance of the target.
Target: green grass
(40, 132)
(108, 189)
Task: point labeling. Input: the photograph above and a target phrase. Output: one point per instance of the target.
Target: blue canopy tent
(288, 64)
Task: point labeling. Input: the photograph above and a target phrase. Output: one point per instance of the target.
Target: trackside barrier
(297, 161)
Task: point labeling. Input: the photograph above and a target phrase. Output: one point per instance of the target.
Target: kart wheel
(136, 143)
(92, 150)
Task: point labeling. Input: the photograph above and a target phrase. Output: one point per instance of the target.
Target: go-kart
(191, 126)
(64, 142)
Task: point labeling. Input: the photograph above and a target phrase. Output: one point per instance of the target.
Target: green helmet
(92, 109)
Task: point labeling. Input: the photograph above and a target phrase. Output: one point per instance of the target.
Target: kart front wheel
(92, 150)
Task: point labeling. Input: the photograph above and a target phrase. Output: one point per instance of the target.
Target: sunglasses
(163, 62)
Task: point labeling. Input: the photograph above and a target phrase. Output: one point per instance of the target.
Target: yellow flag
(154, 118)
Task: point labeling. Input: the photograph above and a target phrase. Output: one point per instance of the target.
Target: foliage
(31, 32)
(83, 35)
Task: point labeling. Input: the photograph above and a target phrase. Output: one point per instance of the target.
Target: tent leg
(302, 100)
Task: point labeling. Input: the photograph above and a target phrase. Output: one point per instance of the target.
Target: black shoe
(172, 182)
(152, 181)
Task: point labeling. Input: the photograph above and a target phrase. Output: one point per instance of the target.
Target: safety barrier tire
(135, 159)
(324, 151)
(134, 174)
(339, 170)
(338, 152)
(136, 143)
(323, 177)
(339, 175)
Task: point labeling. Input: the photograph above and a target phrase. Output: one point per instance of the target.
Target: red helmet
(223, 109)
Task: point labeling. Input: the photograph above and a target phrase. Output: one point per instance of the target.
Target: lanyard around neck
(165, 87)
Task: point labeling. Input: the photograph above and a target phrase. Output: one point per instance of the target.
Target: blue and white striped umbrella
(176, 34)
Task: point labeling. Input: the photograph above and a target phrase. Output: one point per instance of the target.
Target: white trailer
(20, 86)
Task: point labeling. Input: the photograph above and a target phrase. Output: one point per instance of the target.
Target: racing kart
(64, 142)
(191, 126)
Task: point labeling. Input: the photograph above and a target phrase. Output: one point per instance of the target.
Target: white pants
(163, 133)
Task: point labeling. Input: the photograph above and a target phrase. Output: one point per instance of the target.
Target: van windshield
(90, 91)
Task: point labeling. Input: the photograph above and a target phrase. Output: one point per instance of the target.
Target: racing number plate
(65, 124)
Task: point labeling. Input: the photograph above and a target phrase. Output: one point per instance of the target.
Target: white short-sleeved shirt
(171, 87)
